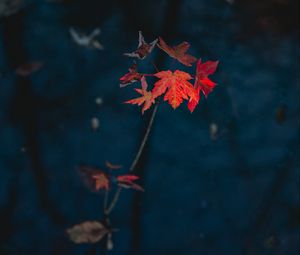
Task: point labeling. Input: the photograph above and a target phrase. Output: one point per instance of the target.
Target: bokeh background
(221, 181)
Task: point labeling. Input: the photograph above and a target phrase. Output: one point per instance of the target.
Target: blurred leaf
(112, 166)
(94, 178)
(29, 68)
(9, 7)
(87, 232)
(101, 181)
(281, 114)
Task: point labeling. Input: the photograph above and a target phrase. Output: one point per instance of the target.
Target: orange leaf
(176, 85)
(178, 52)
(146, 98)
(101, 181)
(94, 178)
(202, 72)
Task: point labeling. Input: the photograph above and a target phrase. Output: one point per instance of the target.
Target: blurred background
(221, 181)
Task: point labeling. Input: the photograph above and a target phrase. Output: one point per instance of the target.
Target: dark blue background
(233, 195)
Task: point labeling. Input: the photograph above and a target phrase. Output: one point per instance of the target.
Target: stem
(114, 201)
(134, 162)
(105, 200)
(143, 143)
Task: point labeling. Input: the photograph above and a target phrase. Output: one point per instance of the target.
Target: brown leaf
(87, 232)
(178, 52)
(112, 166)
(143, 50)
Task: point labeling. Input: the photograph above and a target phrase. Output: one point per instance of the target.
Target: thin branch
(135, 161)
(143, 143)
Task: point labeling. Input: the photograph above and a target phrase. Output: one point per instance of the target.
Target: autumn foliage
(175, 87)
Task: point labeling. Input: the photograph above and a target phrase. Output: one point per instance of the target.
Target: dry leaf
(87, 232)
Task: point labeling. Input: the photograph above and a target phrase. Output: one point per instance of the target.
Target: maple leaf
(101, 181)
(178, 52)
(94, 178)
(202, 72)
(202, 82)
(127, 181)
(143, 50)
(130, 77)
(146, 98)
(177, 85)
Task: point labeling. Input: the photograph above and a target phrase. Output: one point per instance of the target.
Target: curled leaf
(178, 52)
(130, 77)
(143, 50)
(87, 232)
(112, 166)
(127, 181)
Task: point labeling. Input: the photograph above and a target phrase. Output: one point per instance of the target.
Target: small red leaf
(127, 178)
(130, 77)
(143, 50)
(126, 181)
(202, 72)
(29, 68)
(146, 98)
(178, 52)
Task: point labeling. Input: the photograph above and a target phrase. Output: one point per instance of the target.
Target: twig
(134, 162)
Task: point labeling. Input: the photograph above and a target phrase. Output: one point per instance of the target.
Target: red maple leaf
(94, 178)
(177, 86)
(178, 52)
(127, 181)
(143, 50)
(202, 72)
(202, 82)
(146, 98)
(131, 77)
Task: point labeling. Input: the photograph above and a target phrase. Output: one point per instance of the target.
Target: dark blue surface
(233, 195)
